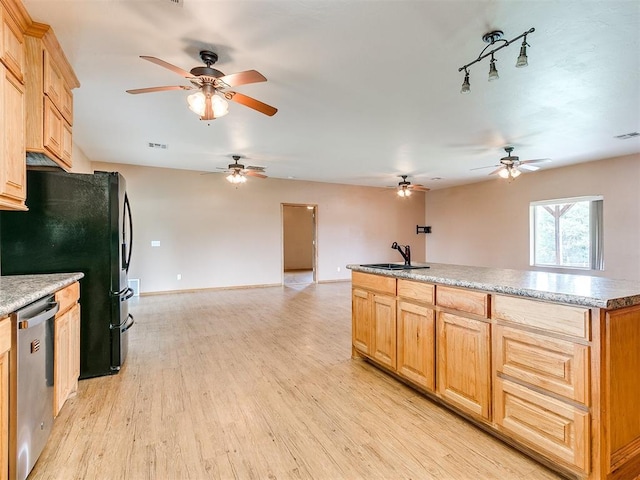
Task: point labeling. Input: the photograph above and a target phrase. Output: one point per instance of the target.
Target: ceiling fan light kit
(493, 38)
(405, 187)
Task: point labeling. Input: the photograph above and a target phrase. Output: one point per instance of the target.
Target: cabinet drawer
(374, 282)
(563, 319)
(547, 425)
(558, 366)
(463, 300)
(67, 297)
(422, 292)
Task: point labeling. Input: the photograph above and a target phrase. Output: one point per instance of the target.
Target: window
(567, 233)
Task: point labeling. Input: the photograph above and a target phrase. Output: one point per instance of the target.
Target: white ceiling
(366, 90)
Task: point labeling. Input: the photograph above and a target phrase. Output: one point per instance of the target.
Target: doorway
(298, 244)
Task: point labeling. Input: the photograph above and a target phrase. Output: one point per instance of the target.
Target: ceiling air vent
(162, 146)
(627, 135)
(178, 3)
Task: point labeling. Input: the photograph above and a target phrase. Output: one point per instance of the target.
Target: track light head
(493, 71)
(522, 58)
(466, 86)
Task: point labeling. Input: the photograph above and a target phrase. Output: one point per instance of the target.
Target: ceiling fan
(405, 187)
(213, 87)
(238, 173)
(511, 166)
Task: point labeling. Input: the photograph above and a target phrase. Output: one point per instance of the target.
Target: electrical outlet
(338, 268)
(179, 276)
(155, 243)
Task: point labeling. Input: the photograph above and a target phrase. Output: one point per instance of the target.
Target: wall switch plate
(155, 243)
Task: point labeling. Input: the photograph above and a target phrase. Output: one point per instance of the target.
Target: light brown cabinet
(5, 348)
(361, 321)
(12, 106)
(464, 350)
(50, 80)
(12, 159)
(12, 39)
(374, 318)
(464, 374)
(66, 359)
(416, 333)
(384, 329)
(542, 377)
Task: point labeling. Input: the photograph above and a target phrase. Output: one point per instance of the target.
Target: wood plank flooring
(259, 384)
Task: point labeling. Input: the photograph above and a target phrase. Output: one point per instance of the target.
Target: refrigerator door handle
(127, 254)
(130, 322)
(125, 325)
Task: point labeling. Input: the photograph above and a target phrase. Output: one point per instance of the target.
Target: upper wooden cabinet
(49, 100)
(13, 21)
(12, 156)
(12, 42)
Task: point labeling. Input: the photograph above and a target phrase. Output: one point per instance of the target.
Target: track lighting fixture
(492, 38)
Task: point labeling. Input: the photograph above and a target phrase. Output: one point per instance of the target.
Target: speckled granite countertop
(16, 291)
(552, 287)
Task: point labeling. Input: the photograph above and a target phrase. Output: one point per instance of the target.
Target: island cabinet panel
(384, 330)
(550, 317)
(416, 343)
(558, 366)
(462, 300)
(361, 321)
(464, 375)
(545, 424)
(622, 361)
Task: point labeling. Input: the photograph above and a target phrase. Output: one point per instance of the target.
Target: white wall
(487, 223)
(216, 235)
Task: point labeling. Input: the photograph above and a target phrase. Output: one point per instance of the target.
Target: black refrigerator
(79, 223)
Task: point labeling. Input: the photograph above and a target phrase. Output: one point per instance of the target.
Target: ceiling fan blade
(242, 78)
(487, 166)
(535, 160)
(251, 103)
(531, 168)
(251, 173)
(162, 63)
(419, 188)
(157, 89)
(497, 170)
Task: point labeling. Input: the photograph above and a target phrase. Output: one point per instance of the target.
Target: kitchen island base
(558, 381)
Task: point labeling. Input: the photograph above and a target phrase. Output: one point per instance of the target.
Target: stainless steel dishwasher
(34, 328)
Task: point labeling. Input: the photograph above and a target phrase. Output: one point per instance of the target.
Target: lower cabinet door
(416, 344)
(361, 320)
(61, 362)
(384, 330)
(545, 424)
(464, 363)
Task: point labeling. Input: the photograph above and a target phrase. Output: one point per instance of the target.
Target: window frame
(596, 232)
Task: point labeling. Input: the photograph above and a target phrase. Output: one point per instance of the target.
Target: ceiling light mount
(493, 38)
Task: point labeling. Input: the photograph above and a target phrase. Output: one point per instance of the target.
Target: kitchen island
(547, 362)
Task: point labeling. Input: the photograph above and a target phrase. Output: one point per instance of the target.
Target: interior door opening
(299, 244)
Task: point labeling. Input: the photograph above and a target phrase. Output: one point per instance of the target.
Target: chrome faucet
(406, 254)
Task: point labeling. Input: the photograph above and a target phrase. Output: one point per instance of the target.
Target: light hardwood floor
(259, 384)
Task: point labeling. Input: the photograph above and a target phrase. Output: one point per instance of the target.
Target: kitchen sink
(392, 266)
